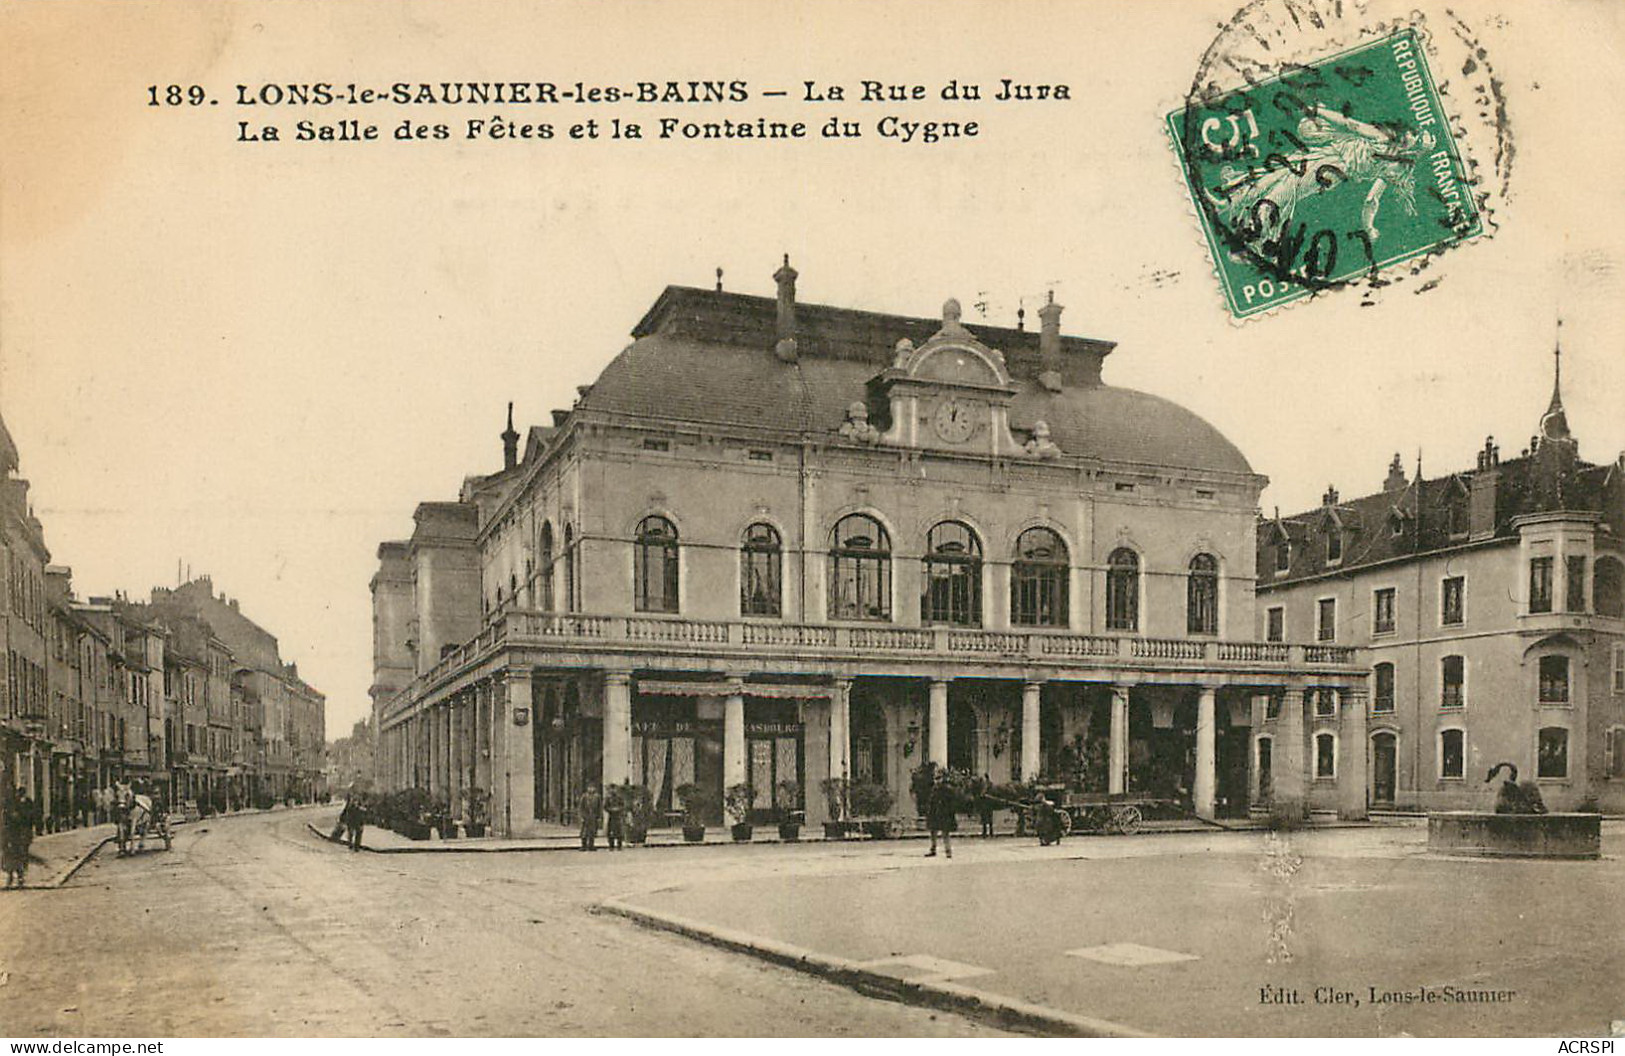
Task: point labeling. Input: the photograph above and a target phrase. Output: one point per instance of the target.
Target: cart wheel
(1128, 820)
(1066, 824)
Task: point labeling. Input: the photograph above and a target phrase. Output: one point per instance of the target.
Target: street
(253, 926)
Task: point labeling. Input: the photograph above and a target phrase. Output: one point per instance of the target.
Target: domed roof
(665, 376)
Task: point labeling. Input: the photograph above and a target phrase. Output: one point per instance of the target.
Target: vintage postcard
(808, 519)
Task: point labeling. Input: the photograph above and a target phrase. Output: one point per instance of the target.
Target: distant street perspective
(1325, 931)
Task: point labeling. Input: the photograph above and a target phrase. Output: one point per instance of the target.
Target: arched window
(545, 588)
(1608, 587)
(572, 597)
(760, 554)
(1202, 595)
(952, 591)
(1038, 580)
(530, 582)
(513, 588)
(654, 565)
(1452, 753)
(1552, 759)
(1123, 590)
(860, 570)
(1452, 681)
(1383, 697)
(1325, 755)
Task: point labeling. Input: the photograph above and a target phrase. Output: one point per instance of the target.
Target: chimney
(1396, 481)
(510, 442)
(559, 418)
(1330, 498)
(1049, 344)
(785, 334)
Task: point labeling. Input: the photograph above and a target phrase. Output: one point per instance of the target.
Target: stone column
(454, 753)
(1352, 747)
(1118, 778)
(1206, 759)
(482, 736)
(938, 722)
(840, 730)
(431, 732)
(1031, 750)
(519, 757)
(1290, 798)
(618, 727)
(733, 739)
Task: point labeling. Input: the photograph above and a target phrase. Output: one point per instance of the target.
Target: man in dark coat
(939, 813)
(353, 817)
(615, 815)
(590, 806)
(18, 835)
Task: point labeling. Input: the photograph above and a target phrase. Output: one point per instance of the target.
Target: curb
(447, 847)
(84, 858)
(1003, 1012)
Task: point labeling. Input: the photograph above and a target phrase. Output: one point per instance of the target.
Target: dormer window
(1283, 556)
(1334, 545)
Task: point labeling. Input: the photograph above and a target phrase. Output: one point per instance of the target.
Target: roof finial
(1554, 424)
(719, 280)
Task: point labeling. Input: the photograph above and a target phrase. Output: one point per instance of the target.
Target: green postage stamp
(1324, 174)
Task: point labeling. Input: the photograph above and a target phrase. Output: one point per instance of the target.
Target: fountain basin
(1487, 835)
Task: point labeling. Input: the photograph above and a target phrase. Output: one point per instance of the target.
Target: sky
(254, 359)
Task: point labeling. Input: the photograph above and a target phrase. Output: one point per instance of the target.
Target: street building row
(778, 543)
(180, 693)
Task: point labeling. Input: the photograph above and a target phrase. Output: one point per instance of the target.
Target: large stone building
(1492, 603)
(781, 542)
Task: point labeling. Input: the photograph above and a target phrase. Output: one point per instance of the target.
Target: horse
(1514, 796)
(135, 815)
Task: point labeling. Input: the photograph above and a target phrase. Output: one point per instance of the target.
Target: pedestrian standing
(18, 836)
(615, 813)
(939, 813)
(589, 806)
(353, 817)
(984, 804)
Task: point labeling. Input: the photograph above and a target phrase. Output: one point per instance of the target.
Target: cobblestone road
(250, 926)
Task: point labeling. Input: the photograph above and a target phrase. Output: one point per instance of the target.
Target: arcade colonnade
(534, 736)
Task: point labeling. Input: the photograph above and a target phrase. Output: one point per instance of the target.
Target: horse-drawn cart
(138, 818)
(1096, 812)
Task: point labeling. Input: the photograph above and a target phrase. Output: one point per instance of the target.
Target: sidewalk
(566, 838)
(52, 859)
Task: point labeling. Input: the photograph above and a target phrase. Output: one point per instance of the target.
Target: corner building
(782, 542)
(1490, 603)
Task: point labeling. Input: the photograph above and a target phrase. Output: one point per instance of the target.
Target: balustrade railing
(560, 628)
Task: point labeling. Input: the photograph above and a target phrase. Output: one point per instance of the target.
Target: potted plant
(695, 801)
(871, 802)
(441, 819)
(476, 810)
(639, 806)
(789, 815)
(739, 799)
(409, 813)
(837, 794)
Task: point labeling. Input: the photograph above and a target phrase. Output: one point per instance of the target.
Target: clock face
(955, 420)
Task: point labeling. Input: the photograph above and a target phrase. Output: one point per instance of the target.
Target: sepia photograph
(724, 519)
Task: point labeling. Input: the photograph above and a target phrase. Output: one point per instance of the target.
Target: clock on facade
(955, 420)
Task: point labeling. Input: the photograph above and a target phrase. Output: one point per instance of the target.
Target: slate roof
(1369, 538)
(705, 357)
